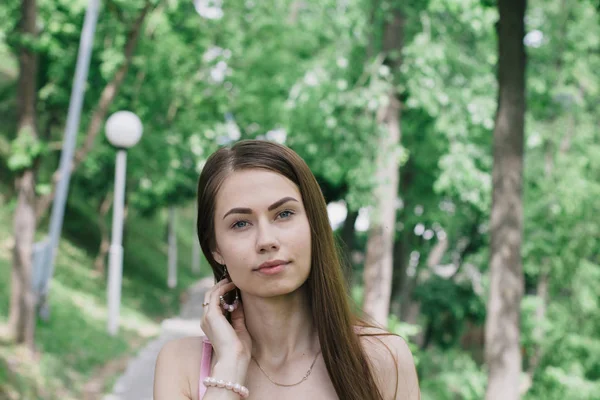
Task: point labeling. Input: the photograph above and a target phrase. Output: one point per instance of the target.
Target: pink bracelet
(236, 387)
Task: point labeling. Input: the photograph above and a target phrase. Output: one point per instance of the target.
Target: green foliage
(560, 201)
(403, 329)
(447, 306)
(312, 77)
(451, 374)
(25, 148)
(570, 344)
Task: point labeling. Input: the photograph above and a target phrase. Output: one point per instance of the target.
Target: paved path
(136, 382)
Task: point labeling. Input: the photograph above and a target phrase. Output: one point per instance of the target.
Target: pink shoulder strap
(205, 365)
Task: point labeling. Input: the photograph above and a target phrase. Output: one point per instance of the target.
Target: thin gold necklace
(305, 377)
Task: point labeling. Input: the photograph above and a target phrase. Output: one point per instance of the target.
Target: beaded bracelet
(236, 387)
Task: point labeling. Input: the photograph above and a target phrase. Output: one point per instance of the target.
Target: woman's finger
(206, 299)
(216, 286)
(212, 297)
(220, 291)
(206, 302)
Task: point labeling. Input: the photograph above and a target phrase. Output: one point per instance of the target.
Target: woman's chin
(279, 289)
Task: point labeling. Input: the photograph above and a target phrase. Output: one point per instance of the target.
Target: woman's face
(260, 219)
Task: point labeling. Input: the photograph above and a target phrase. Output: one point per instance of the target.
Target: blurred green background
(313, 74)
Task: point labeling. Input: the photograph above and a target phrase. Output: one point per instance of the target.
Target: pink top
(205, 365)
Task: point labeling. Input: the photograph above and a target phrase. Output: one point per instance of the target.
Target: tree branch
(111, 89)
(106, 98)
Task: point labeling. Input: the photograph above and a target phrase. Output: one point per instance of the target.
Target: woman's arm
(170, 378)
(177, 372)
(408, 381)
(393, 366)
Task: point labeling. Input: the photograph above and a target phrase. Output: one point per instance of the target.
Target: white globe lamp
(123, 129)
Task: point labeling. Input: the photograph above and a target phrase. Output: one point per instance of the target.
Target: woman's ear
(218, 258)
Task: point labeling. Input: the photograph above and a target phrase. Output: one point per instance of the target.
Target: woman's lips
(272, 270)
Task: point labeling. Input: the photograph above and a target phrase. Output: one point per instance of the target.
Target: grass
(73, 344)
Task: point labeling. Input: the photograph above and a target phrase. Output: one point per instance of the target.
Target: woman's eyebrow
(240, 210)
(280, 202)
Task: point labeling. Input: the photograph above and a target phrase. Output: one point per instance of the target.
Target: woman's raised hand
(231, 342)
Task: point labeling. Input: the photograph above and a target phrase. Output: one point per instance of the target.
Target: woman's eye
(239, 225)
(286, 214)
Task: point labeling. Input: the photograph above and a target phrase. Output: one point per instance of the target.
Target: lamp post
(123, 130)
(44, 252)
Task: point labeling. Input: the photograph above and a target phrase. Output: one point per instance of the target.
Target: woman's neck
(281, 327)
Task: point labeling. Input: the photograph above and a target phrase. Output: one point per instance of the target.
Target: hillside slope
(75, 350)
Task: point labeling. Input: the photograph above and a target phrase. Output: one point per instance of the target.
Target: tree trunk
(294, 11)
(502, 328)
(400, 264)
(379, 259)
(112, 88)
(22, 304)
(348, 233)
(402, 247)
(100, 261)
(172, 264)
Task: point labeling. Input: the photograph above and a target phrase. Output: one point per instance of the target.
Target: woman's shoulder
(383, 346)
(178, 366)
(392, 361)
(183, 348)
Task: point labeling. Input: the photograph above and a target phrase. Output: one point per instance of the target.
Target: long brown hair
(327, 291)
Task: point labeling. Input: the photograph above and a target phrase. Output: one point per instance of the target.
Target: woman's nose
(266, 240)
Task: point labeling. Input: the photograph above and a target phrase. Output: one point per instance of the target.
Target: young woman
(279, 322)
